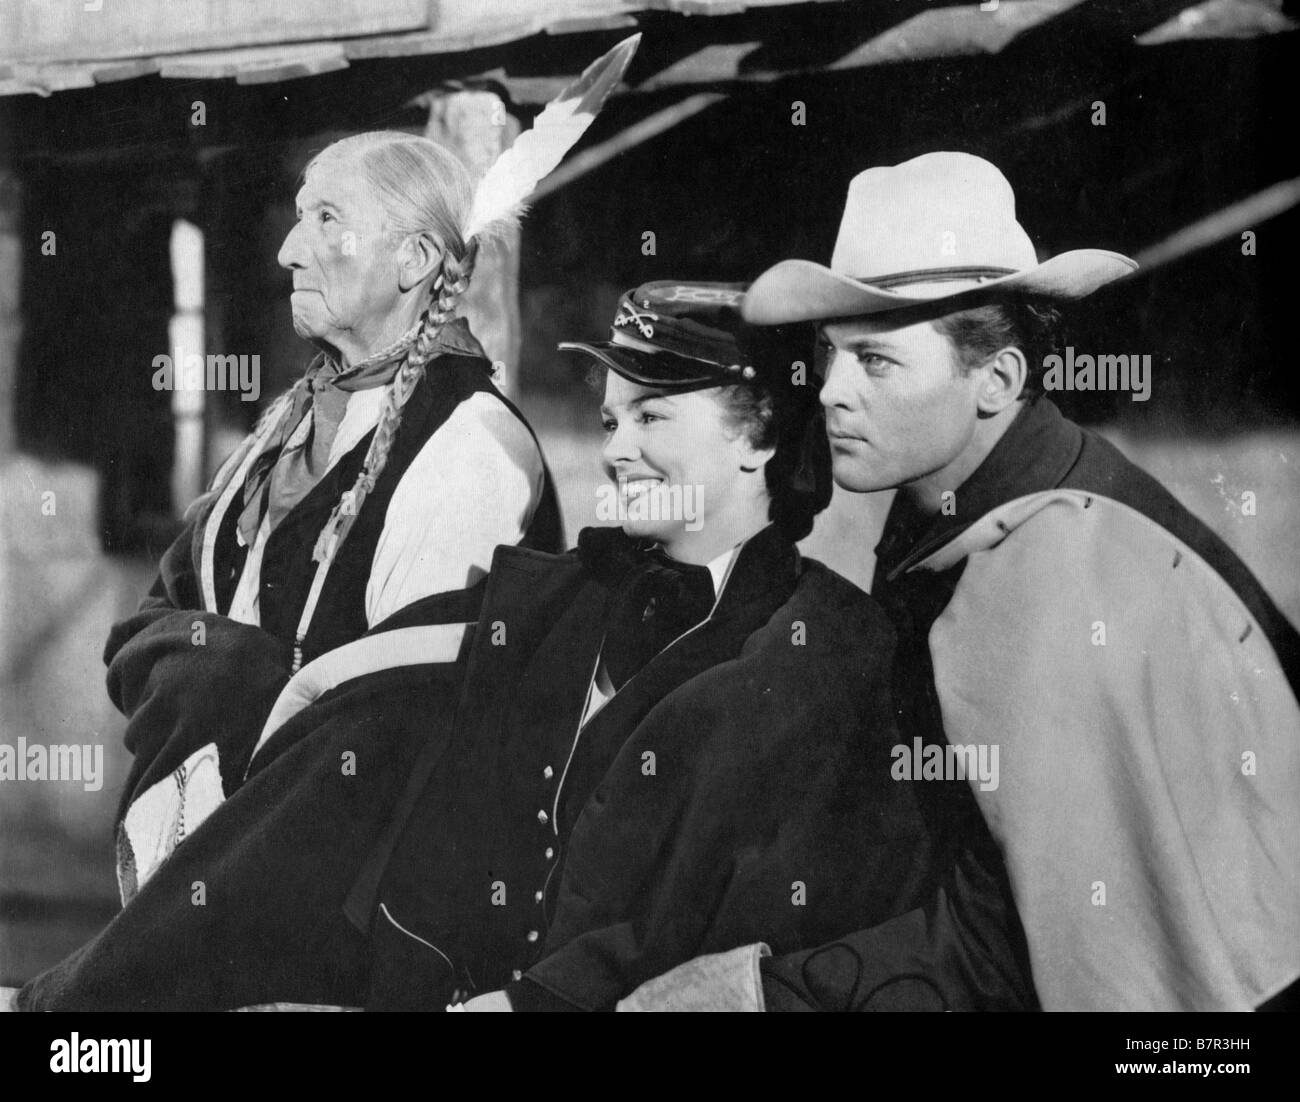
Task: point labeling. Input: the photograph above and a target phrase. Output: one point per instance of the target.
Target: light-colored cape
(1148, 796)
(1148, 805)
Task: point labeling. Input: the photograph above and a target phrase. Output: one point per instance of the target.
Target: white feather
(501, 196)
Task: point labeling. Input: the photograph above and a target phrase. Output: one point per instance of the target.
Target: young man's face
(676, 459)
(345, 271)
(898, 408)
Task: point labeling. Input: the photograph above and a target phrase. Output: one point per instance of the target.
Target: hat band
(937, 275)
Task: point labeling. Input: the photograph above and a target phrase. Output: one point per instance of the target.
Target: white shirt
(474, 484)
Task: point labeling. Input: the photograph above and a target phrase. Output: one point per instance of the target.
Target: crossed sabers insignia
(629, 315)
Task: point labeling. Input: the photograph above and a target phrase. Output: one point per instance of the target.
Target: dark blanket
(185, 678)
(738, 789)
(249, 907)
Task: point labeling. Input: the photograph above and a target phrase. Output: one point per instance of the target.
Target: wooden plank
(726, 7)
(717, 62)
(44, 80)
(14, 87)
(59, 78)
(943, 32)
(291, 69)
(1223, 225)
(585, 24)
(595, 156)
(479, 37)
(476, 24)
(106, 72)
(216, 64)
(703, 7)
(38, 30)
(1221, 19)
(954, 32)
(462, 25)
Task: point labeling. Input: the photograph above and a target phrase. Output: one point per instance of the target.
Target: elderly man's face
(345, 270)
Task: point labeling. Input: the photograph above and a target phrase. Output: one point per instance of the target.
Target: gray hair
(424, 188)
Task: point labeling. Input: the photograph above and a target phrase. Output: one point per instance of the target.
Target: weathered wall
(10, 280)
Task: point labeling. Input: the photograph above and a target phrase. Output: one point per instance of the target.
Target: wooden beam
(1230, 222)
(256, 64)
(1098, 24)
(108, 72)
(37, 30)
(466, 26)
(597, 155)
(11, 319)
(1221, 19)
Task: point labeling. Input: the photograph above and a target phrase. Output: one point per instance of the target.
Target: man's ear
(418, 257)
(1002, 382)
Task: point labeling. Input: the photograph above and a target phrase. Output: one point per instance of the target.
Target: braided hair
(451, 283)
(424, 188)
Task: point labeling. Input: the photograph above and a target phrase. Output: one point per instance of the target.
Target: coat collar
(1035, 453)
(762, 578)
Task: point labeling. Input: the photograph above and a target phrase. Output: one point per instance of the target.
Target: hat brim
(799, 290)
(657, 369)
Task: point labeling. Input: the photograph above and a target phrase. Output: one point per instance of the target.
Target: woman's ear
(418, 258)
(752, 458)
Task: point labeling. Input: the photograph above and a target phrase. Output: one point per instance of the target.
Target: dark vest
(287, 566)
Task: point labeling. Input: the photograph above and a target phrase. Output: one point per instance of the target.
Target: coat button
(532, 935)
(549, 853)
(516, 975)
(542, 817)
(548, 772)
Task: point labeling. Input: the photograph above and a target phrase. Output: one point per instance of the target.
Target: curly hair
(798, 476)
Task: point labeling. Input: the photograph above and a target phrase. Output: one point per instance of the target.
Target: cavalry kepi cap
(679, 336)
(930, 228)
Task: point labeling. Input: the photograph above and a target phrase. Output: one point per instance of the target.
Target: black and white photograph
(651, 506)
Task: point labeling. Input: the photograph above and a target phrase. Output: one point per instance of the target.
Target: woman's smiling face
(682, 469)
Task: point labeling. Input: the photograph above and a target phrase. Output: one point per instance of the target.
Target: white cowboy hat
(931, 228)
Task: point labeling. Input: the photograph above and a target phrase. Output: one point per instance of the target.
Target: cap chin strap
(623, 340)
(617, 336)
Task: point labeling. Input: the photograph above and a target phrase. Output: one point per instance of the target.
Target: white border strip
(416, 646)
(207, 570)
